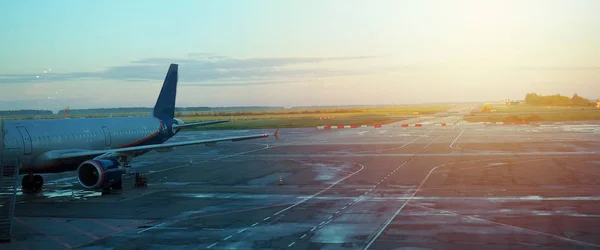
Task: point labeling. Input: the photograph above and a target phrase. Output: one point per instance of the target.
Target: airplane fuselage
(98, 149)
(33, 141)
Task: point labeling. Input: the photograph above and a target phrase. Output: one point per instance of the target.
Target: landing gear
(31, 183)
(118, 185)
(115, 186)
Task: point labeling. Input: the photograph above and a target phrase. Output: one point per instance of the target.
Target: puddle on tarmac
(61, 193)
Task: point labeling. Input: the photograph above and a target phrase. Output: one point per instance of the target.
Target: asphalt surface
(462, 186)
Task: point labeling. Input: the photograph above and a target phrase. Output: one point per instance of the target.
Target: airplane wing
(197, 124)
(109, 153)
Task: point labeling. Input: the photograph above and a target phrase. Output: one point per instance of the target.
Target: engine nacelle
(96, 174)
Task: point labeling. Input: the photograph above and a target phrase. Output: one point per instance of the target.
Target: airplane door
(26, 140)
(107, 140)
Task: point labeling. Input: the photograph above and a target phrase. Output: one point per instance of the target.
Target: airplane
(98, 149)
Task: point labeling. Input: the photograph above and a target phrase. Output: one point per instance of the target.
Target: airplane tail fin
(165, 105)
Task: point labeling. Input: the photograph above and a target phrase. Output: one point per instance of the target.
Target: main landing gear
(114, 186)
(31, 183)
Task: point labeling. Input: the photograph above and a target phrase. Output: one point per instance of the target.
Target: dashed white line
(331, 216)
(291, 244)
(212, 245)
(337, 212)
(313, 229)
(344, 207)
(320, 192)
(255, 224)
(304, 235)
(322, 222)
(228, 237)
(241, 231)
(267, 218)
(328, 221)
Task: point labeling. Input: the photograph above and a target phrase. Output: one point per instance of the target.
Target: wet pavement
(467, 185)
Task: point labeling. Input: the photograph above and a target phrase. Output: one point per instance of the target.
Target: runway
(467, 185)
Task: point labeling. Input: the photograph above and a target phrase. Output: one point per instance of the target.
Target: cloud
(205, 67)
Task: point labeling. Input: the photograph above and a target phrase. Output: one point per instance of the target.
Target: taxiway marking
(458, 136)
(296, 204)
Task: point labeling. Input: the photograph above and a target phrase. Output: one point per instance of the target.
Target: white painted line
(330, 217)
(172, 228)
(322, 222)
(328, 222)
(218, 158)
(337, 212)
(344, 207)
(412, 196)
(313, 229)
(304, 235)
(511, 226)
(291, 244)
(228, 237)
(241, 231)
(152, 227)
(320, 192)
(212, 245)
(457, 138)
(434, 140)
(255, 224)
(267, 218)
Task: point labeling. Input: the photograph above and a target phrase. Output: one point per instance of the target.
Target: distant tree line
(149, 110)
(25, 112)
(122, 110)
(534, 99)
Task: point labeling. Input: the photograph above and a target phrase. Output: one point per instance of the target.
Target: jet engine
(96, 174)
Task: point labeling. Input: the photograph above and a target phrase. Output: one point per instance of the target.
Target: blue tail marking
(165, 105)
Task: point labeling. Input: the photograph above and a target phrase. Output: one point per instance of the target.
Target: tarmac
(466, 185)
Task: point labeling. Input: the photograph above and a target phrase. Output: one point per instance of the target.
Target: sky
(92, 54)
